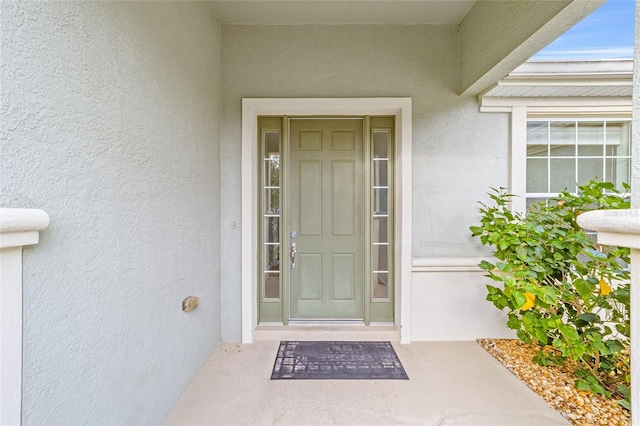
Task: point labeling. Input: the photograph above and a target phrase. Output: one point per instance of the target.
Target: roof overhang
(495, 36)
(564, 86)
(337, 12)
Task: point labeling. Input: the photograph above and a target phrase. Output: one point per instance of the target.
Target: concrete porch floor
(450, 383)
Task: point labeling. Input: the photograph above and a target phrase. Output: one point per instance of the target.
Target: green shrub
(559, 287)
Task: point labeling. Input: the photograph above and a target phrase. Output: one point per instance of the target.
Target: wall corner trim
(18, 228)
(21, 227)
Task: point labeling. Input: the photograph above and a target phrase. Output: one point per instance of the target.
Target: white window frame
(523, 109)
(400, 108)
(594, 118)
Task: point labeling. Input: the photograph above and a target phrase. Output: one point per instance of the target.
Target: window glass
(537, 175)
(562, 175)
(380, 244)
(271, 215)
(591, 133)
(590, 150)
(380, 144)
(562, 133)
(590, 169)
(618, 138)
(537, 133)
(564, 154)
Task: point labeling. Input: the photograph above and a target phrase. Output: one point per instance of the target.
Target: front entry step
(336, 332)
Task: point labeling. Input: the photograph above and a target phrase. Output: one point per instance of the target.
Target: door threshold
(327, 331)
(320, 322)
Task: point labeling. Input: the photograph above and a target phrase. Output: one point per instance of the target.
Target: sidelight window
(271, 215)
(380, 250)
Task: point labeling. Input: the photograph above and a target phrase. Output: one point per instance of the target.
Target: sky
(605, 34)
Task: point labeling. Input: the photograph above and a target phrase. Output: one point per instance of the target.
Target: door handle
(293, 251)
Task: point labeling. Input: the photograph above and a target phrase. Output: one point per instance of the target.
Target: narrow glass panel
(271, 143)
(590, 168)
(537, 150)
(272, 285)
(270, 290)
(380, 201)
(537, 132)
(380, 233)
(272, 257)
(380, 258)
(537, 175)
(563, 175)
(380, 285)
(618, 135)
(381, 173)
(591, 133)
(562, 133)
(272, 201)
(272, 230)
(380, 144)
(272, 170)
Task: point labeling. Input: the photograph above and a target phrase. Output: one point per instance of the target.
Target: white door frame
(398, 107)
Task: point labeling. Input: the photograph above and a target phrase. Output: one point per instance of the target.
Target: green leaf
(493, 290)
(514, 323)
(487, 266)
(583, 385)
(519, 298)
(622, 295)
(504, 267)
(541, 359)
(584, 287)
(541, 336)
(625, 403)
(569, 332)
(624, 390)
(614, 346)
(524, 336)
(589, 318)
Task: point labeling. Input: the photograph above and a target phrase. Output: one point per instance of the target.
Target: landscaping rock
(555, 384)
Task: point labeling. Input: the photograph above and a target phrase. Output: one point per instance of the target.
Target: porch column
(18, 228)
(621, 228)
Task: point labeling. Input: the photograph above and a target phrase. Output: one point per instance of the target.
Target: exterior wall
(449, 302)
(110, 124)
(458, 153)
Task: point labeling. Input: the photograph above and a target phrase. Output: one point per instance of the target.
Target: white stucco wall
(110, 123)
(458, 153)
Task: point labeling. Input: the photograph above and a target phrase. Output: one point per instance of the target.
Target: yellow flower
(531, 298)
(604, 287)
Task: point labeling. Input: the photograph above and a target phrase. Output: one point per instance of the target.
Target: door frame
(400, 108)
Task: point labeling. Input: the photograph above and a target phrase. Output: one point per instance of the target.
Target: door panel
(327, 212)
(343, 198)
(310, 198)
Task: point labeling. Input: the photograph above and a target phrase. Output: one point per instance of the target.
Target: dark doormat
(337, 360)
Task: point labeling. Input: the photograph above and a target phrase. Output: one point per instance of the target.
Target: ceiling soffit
(335, 12)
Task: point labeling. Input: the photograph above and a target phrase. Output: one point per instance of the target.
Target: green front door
(326, 252)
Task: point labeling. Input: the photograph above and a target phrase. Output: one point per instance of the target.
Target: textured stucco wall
(457, 152)
(110, 123)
